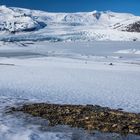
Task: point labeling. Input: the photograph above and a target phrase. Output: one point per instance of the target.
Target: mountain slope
(17, 24)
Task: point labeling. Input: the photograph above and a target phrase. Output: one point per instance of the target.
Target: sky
(127, 6)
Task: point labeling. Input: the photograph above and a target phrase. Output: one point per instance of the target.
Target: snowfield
(69, 81)
(102, 73)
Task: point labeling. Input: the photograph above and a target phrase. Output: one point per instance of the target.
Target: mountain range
(18, 24)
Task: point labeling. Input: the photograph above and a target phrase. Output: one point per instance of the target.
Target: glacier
(18, 24)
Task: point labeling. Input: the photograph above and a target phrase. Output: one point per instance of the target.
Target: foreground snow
(66, 73)
(75, 73)
(61, 80)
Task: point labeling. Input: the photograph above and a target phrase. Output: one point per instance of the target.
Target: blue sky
(130, 6)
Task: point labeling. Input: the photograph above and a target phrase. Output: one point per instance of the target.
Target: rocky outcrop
(135, 27)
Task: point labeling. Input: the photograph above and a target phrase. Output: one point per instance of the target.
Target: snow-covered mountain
(17, 24)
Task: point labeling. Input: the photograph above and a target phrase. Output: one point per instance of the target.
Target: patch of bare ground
(89, 117)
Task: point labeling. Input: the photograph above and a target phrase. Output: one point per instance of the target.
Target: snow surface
(17, 24)
(66, 73)
(129, 51)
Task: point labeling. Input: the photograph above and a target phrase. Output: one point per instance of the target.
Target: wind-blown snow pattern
(17, 24)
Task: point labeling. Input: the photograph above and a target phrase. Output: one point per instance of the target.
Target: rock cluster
(88, 117)
(135, 27)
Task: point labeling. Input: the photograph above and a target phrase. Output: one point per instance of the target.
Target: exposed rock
(111, 64)
(135, 27)
(88, 117)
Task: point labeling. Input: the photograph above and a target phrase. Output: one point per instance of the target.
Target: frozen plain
(103, 73)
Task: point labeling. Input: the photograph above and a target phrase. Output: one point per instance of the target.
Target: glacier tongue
(17, 24)
(16, 21)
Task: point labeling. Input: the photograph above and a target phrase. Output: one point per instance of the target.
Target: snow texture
(66, 73)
